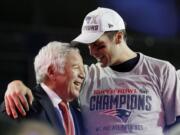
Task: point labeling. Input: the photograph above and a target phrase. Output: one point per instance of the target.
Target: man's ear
(118, 37)
(51, 72)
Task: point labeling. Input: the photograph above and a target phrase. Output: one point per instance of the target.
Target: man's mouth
(77, 83)
(99, 59)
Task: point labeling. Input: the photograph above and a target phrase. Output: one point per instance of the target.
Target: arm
(171, 97)
(16, 97)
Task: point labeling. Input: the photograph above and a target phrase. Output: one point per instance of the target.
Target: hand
(15, 97)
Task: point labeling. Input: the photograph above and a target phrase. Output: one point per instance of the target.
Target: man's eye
(75, 66)
(100, 47)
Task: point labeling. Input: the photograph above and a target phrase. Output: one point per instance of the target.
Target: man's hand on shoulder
(17, 96)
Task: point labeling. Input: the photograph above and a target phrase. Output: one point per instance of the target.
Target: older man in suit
(59, 74)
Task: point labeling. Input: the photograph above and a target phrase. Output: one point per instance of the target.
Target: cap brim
(87, 38)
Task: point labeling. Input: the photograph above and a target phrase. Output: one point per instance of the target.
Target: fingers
(8, 111)
(13, 102)
(24, 102)
(17, 97)
(12, 107)
(17, 100)
(30, 97)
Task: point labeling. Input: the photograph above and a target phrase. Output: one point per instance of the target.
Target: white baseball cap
(97, 22)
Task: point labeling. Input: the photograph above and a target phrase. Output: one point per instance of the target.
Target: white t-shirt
(139, 102)
(178, 73)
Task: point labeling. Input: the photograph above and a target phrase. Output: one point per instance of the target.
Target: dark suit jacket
(43, 110)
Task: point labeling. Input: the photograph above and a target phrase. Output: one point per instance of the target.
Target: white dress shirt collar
(52, 95)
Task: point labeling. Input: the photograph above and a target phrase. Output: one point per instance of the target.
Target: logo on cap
(110, 25)
(91, 24)
(91, 20)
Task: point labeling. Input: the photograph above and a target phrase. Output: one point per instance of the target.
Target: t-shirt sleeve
(171, 94)
(178, 73)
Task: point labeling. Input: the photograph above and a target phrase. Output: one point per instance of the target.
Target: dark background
(153, 28)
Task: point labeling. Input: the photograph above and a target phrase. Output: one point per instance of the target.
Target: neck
(124, 54)
(60, 92)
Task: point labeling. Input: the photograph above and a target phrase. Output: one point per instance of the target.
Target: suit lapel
(50, 110)
(75, 119)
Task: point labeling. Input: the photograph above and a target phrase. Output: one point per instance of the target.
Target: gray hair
(53, 53)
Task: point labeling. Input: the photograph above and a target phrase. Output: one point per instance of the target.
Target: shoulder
(156, 64)
(39, 95)
(155, 61)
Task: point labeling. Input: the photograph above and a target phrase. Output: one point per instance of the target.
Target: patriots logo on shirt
(121, 114)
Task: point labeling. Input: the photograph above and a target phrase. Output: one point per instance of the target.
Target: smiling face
(68, 84)
(103, 50)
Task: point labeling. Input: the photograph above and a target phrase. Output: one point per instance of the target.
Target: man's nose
(82, 74)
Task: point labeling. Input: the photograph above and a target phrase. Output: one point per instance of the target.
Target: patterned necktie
(67, 118)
